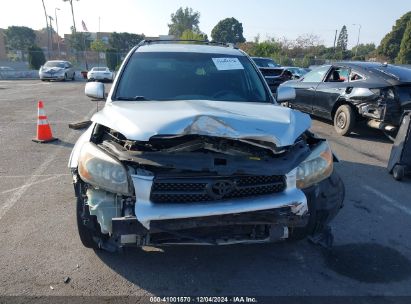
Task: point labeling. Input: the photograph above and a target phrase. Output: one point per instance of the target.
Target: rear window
(191, 76)
(99, 69)
(265, 63)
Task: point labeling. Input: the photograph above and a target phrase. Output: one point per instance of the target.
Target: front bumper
(252, 220)
(51, 76)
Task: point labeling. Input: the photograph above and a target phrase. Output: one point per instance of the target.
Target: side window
(338, 74)
(316, 75)
(355, 76)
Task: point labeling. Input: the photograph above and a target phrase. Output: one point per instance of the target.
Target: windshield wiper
(135, 98)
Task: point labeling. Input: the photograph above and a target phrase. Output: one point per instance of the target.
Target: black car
(347, 92)
(273, 73)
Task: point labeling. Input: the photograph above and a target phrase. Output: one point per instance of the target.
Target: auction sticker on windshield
(223, 64)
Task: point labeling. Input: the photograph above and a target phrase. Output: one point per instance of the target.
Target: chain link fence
(16, 63)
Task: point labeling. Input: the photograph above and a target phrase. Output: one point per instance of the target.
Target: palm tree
(72, 13)
(47, 27)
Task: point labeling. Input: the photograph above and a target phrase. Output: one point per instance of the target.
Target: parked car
(207, 157)
(276, 76)
(347, 92)
(57, 70)
(100, 73)
(296, 72)
(6, 69)
(264, 62)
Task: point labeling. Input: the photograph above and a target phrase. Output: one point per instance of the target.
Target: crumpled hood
(140, 120)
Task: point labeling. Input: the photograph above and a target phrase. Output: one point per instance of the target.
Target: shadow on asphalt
(62, 143)
(262, 268)
(361, 131)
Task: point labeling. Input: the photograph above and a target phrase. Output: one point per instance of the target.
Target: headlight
(317, 167)
(102, 170)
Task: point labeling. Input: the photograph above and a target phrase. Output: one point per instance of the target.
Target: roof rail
(207, 42)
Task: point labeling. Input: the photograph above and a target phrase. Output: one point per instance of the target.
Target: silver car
(57, 70)
(192, 148)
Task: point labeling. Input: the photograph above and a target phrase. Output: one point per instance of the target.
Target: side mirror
(95, 90)
(285, 94)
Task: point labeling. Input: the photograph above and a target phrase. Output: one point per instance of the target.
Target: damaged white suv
(192, 148)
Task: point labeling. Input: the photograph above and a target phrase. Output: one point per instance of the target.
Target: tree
(19, 37)
(112, 59)
(228, 30)
(190, 35)
(363, 50)
(98, 46)
(123, 42)
(182, 20)
(266, 49)
(36, 57)
(72, 14)
(391, 43)
(342, 41)
(404, 55)
(79, 41)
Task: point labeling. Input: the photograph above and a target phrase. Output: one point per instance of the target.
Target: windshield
(54, 64)
(265, 63)
(190, 76)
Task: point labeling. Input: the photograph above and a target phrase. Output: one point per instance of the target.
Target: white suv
(192, 148)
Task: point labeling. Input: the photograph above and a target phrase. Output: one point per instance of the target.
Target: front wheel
(344, 120)
(398, 172)
(85, 222)
(73, 77)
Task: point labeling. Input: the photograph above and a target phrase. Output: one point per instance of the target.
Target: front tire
(398, 172)
(344, 120)
(86, 234)
(73, 77)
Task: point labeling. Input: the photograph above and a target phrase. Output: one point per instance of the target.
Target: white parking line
(29, 185)
(39, 175)
(40, 170)
(388, 199)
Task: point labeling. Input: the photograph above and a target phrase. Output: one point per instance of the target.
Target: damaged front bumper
(261, 219)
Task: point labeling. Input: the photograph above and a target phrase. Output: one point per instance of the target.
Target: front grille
(203, 189)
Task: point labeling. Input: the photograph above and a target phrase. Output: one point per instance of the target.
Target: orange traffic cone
(43, 128)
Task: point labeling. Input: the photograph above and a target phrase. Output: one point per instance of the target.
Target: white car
(100, 73)
(57, 70)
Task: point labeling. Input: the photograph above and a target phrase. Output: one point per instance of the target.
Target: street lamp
(57, 30)
(358, 38)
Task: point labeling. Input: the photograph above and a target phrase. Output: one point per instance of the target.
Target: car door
(306, 87)
(329, 91)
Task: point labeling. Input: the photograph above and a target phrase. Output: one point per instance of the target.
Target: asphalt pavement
(40, 247)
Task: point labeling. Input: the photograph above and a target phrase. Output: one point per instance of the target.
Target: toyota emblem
(220, 188)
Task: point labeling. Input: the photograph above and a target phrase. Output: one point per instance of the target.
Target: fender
(75, 153)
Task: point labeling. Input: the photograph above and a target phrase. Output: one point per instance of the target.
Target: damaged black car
(348, 92)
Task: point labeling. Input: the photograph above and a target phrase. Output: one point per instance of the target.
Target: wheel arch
(340, 102)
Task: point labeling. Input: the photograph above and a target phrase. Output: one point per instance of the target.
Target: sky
(267, 18)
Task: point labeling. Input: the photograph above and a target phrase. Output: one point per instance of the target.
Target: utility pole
(47, 28)
(51, 33)
(335, 40)
(358, 38)
(57, 30)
